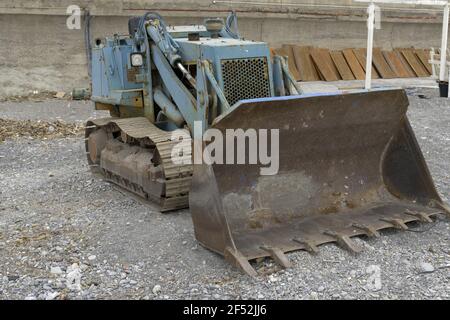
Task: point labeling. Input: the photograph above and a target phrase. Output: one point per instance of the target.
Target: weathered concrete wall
(39, 52)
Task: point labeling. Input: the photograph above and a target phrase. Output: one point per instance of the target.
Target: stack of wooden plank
(308, 63)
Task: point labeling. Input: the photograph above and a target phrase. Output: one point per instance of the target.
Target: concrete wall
(37, 50)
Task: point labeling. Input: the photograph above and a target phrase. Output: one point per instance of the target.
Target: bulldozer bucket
(349, 165)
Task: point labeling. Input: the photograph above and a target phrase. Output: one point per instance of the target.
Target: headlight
(136, 60)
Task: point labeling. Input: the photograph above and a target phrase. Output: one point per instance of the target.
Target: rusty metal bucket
(349, 165)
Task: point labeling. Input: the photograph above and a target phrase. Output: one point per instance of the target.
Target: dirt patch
(10, 129)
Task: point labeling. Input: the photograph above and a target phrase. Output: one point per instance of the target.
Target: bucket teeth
(396, 223)
(236, 258)
(278, 256)
(420, 215)
(440, 205)
(371, 232)
(344, 241)
(310, 246)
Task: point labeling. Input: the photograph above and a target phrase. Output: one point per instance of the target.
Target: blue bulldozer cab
(181, 74)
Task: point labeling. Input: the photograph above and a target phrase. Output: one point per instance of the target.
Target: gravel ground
(65, 234)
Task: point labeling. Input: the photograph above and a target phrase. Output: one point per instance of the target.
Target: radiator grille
(245, 79)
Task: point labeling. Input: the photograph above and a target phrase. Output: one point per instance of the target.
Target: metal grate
(245, 79)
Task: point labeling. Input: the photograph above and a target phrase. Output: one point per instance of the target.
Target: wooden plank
(291, 61)
(415, 64)
(424, 56)
(409, 70)
(327, 56)
(280, 52)
(361, 56)
(401, 49)
(353, 63)
(321, 77)
(341, 65)
(396, 64)
(381, 65)
(325, 65)
(272, 52)
(305, 64)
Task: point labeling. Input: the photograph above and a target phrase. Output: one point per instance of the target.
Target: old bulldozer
(348, 163)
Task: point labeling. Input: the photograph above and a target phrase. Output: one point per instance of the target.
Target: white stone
(156, 289)
(426, 267)
(51, 295)
(56, 270)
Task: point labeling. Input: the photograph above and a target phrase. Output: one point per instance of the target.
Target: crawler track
(136, 155)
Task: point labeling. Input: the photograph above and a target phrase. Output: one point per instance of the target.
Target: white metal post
(443, 64)
(370, 28)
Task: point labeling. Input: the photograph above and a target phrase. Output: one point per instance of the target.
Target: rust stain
(258, 219)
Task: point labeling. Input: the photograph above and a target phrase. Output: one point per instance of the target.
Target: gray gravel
(67, 234)
(54, 109)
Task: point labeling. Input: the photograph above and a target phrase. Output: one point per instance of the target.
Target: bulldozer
(348, 161)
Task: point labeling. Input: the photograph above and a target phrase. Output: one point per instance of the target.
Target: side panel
(113, 77)
(100, 87)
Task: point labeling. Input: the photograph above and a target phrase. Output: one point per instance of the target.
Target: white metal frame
(370, 30)
(435, 63)
(369, 51)
(444, 44)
